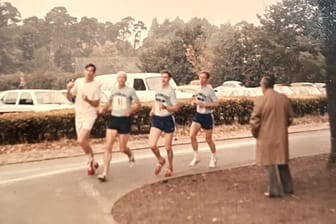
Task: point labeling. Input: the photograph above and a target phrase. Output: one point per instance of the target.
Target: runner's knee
(208, 139)
(81, 141)
(192, 136)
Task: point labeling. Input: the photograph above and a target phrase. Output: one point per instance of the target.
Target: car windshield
(154, 83)
(51, 98)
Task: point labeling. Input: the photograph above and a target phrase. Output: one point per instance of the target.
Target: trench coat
(271, 116)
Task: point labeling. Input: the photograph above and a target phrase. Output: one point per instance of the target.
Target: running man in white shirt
(165, 105)
(87, 93)
(206, 101)
(124, 101)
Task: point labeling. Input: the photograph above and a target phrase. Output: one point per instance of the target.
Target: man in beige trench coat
(271, 116)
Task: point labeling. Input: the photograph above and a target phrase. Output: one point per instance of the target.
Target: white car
(145, 85)
(246, 91)
(232, 84)
(22, 100)
(305, 89)
(229, 88)
(321, 87)
(280, 88)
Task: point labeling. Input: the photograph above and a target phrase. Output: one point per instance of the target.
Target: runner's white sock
(213, 155)
(196, 155)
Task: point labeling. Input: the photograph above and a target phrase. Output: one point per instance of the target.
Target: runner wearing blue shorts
(124, 101)
(205, 102)
(165, 104)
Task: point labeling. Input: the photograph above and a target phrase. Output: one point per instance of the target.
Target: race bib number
(160, 112)
(119, 103)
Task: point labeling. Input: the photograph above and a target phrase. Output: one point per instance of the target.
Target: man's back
(270, 120)
(275, 114)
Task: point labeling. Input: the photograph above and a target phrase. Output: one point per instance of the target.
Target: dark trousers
(285, 178)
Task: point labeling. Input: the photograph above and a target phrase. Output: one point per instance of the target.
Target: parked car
(321, 87)
(284, 89)
(33, 100)
(145, 85)
(232, 84)
(302, 84)
(195, 82)
(239, 92)
(305, 91)
(229, 88)
(193, 87)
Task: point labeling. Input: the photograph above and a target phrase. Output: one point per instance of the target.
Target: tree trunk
(328, 12)
(331, 91)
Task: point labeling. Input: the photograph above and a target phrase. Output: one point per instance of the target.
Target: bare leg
(123, 139)
(168, 146)
(194, 129)
(84, 141)
(154, 136)
(110, 138)
(209, 140)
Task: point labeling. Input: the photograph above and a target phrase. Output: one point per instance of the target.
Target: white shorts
(84, 123)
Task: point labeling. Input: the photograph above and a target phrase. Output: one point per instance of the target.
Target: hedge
(35, 127)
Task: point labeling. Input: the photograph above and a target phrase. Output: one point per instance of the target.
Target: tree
(182, 53)
(125, 28)
(60, 23)
(328, 15)
(292, 41)
(9, 16)
(87, 32)
(138, 28)
(30, 37)
(238, 54)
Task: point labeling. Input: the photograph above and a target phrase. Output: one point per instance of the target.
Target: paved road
(59, 191)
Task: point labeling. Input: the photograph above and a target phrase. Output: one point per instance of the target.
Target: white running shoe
(102, 177)
(194, 162)
(212, 163)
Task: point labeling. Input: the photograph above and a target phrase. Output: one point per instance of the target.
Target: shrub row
(37, 127)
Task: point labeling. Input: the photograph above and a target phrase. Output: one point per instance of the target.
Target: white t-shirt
(206, 94)
(165, 96)
(122, 100)
(92, 90)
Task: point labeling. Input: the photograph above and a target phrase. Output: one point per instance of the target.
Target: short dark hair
(206, 73)
(269, 81)
(92, 66)
(166, 72)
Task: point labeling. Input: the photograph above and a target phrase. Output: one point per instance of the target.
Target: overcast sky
(216, 11)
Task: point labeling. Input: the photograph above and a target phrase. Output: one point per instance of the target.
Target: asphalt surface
(59, 191)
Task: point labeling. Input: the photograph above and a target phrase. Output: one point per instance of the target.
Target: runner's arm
(211, 104)
(104, 107)
(94, 103)
(151, 112)
(173, 108)
(135, 106)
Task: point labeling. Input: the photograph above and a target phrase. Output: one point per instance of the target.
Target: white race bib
(201, 109)
(119, 103)
(160, 112)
